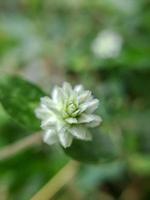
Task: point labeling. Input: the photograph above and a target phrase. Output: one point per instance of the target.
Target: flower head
(67, 114)
(107, 44)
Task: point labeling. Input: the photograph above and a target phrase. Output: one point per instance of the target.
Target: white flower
(108, 44)
(67, 114)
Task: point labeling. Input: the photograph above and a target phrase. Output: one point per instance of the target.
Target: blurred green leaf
(96, 174)
(20, 98)
(7, 43)
(139, 164)
(101, 148)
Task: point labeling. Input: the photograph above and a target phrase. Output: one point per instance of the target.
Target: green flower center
(71, 110)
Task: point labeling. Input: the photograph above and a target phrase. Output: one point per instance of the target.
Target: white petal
(48, 123)
(81, 133)
(89, 106)
(50, 137)
(71, 120)
(86, 118)
(42, 113)
(78, 89)
(65, 138)
(85, 96)
(57, 95)
(67, 89)
(90, 120)
(47, 102)
(93, 105)
(95, 122)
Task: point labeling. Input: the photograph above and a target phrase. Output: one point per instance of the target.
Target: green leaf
(20, 98)
(139, 164)
(101, 148)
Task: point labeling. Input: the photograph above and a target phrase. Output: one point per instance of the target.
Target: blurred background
(104, 45)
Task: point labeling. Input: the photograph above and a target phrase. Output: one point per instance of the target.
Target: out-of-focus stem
(21, 145)
(63, 177)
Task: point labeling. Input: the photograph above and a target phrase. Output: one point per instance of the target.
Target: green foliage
(140, 164)
(49, 42)
(20, 98)
(100, 149)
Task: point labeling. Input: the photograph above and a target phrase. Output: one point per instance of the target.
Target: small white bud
(108, 44)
